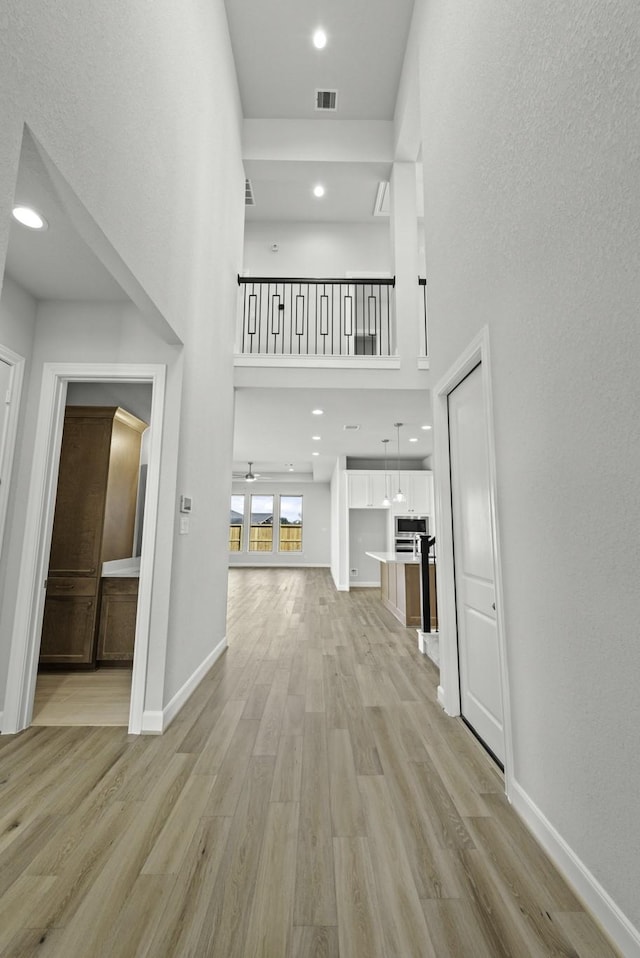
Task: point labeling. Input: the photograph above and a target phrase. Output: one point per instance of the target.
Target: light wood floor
(83, 698)
(310, 801)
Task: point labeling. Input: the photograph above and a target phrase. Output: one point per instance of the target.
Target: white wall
(367, 533)
(17, 323)
(72, 332)
(137, 108)
(316, 524)
(530, 129)
(317, 249)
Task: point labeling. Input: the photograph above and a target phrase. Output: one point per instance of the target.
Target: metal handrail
(316, 316)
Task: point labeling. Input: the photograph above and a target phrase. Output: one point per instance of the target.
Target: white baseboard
(1, 717)
(599, 903)
(354, 584)
(155, 722)
(440, 697)
(278, 565)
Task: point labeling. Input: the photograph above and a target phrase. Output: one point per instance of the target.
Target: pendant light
(399, 496)
(386, 501)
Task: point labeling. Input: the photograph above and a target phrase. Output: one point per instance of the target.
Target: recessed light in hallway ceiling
(319, 39)
(29, 217)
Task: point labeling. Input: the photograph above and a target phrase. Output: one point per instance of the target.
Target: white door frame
(27, 627)
(8, 442)
(449, 688)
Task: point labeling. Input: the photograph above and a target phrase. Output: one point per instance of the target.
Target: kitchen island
(400, 585)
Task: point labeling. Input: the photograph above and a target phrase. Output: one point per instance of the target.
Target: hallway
(311, 800)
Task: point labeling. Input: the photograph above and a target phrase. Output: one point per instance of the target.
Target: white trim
(423, 362)
(449, 690)
(279, 565)
(8, 441)
(429, 645)
(155, 723)
(27, 625)
(440, 697)
(318, 362)
(596, 899)
(354, 584)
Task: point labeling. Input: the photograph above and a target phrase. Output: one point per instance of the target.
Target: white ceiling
(56, 263)
(283, 191)
(274, 427)
(279, 71)
(279, 68)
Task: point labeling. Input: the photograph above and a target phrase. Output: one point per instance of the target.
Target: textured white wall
(90, 333)
(18, 312)
(316, 521)
(531, 147)
(317, 249)
(137, 107)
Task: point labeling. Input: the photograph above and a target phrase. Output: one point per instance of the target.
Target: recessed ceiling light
(316, 438)
(291, 469)
(29, 217)
(318, 190)
(315, 453)
(413, 439)
(317, 412)
(425, 427)
(319, 39)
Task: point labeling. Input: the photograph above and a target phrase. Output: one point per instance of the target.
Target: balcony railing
(316, 317)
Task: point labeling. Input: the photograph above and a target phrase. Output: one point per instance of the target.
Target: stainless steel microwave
(412, 525)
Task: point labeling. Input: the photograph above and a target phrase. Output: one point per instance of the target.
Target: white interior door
(478, 650)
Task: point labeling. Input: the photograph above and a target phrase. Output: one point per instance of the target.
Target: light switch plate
(184, 525)
(186, 504)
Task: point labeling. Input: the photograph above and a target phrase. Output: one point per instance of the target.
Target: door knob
(493, 606)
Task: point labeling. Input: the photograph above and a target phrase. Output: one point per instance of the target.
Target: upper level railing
(316, 317)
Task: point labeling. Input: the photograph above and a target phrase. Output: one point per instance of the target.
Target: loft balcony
(321, 322)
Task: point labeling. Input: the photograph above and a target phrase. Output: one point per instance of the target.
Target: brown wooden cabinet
(117, 629)
(93, 523)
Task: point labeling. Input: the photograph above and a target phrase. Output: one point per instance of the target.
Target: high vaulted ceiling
(279, 71)
(279, 68)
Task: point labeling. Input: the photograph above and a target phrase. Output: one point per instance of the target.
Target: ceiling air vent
(350, 428)
(248, 194)
(327, 100)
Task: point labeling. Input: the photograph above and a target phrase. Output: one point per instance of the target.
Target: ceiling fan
(249, 476)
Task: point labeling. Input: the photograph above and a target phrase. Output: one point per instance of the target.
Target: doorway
(30, 600)
(473, 553)
(88, 634)
(473, 678)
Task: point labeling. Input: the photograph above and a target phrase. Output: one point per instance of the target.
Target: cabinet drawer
(71, 585)
(119, 585)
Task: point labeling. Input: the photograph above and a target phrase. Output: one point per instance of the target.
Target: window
(236, 524)
(261, 532)
(290, 524)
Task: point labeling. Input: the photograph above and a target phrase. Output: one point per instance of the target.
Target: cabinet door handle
(493, 606)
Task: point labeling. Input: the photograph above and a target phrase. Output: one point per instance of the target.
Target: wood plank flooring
(83, 698)
(310, 801)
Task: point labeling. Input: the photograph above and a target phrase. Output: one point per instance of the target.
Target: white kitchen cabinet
(365, 490)
(417, 487)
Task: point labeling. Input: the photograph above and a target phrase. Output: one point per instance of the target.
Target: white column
(404, 251)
